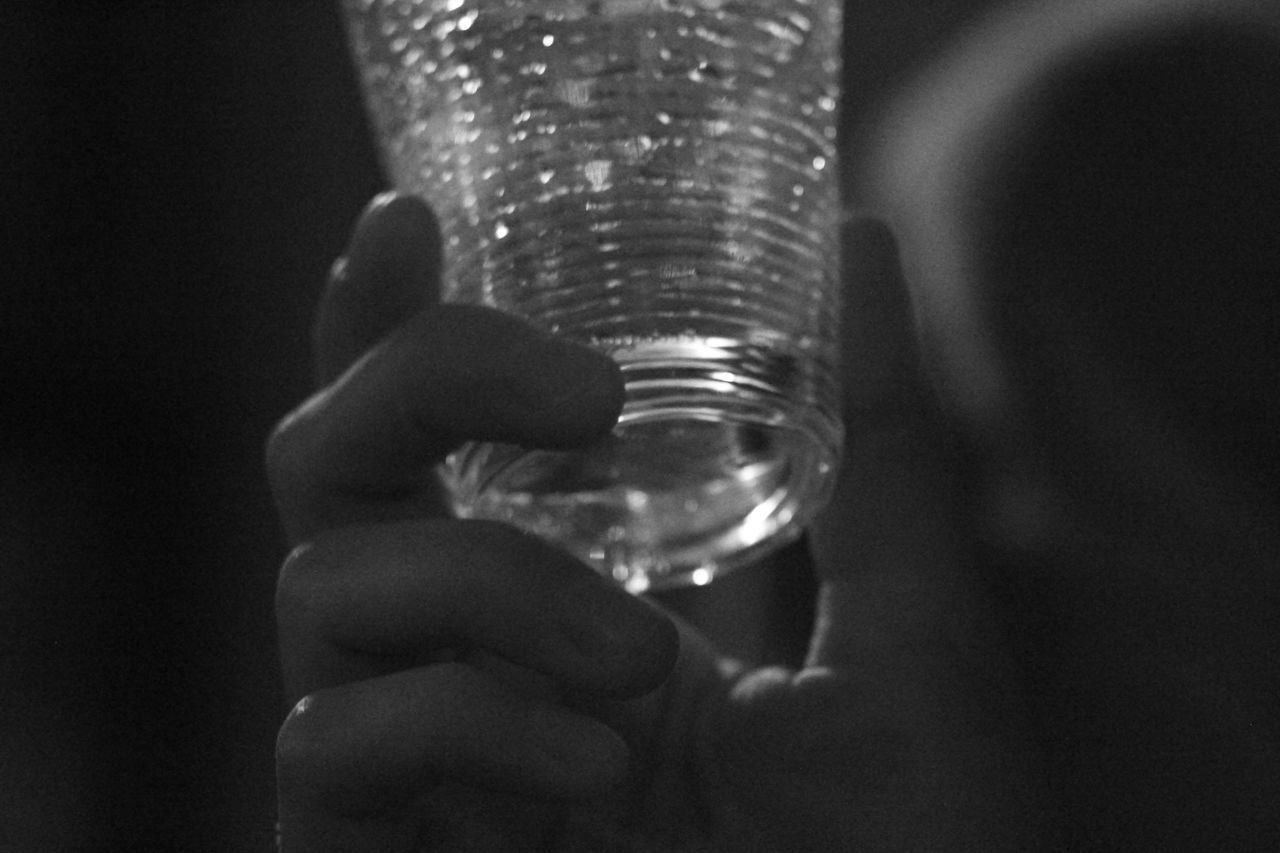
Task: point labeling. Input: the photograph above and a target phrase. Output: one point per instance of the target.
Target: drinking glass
(654, 178)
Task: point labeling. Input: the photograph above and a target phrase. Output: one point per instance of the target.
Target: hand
(463, 686)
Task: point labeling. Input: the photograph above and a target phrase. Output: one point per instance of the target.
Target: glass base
(676, 495)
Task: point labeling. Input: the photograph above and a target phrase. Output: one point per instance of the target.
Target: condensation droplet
(597, 173)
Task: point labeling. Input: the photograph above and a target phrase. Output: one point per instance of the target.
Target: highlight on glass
(654, 178)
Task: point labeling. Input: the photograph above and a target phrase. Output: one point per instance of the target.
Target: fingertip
(583, 755)
(662, 648)
(649, 655)
(389, 272)
(395, 252)
(395, 211)
(866, 230)
(882, 370)
(581, 388)
(619, 645)
(872, 271)
(520, 383)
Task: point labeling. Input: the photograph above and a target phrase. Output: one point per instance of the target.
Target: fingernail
(572, 370)
(601, 622)
(396, 244)
(574, 379)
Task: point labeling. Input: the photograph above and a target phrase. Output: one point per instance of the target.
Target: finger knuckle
(298, 587)
(303, 744)
(281, 457)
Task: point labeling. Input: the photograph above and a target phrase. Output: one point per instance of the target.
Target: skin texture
(462, 686)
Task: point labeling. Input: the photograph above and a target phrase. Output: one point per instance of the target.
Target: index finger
(453, 373)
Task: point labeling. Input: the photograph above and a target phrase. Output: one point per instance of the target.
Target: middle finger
(360, 602)
(366, 444)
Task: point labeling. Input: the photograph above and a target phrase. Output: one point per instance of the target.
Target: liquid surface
(646, 176)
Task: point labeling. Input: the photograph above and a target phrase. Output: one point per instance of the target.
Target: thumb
(885, 548)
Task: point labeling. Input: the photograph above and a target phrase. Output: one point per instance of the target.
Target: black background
(176, 179)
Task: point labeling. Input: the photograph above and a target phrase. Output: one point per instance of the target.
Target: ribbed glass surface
(651, 176)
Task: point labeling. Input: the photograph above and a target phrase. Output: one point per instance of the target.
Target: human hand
(463, 686)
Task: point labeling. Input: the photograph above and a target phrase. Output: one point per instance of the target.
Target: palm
(455, 672)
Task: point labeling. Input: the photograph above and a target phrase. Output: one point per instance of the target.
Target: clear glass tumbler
(654, 178)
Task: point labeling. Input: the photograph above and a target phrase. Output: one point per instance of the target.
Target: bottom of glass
(676, 495)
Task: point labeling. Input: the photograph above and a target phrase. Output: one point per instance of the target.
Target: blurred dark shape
(1141, 194)
(1088, 196)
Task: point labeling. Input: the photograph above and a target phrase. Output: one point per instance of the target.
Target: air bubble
(705, 71)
